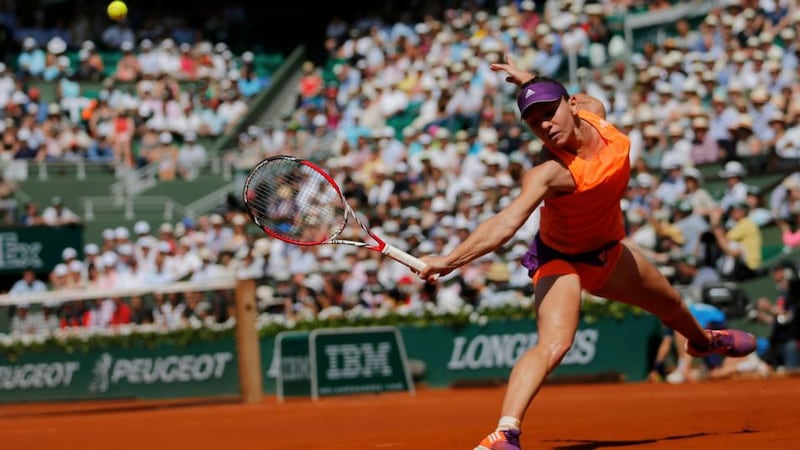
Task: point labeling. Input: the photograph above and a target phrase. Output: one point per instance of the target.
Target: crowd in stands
(425, 142)
(157, 103)
(150, 107)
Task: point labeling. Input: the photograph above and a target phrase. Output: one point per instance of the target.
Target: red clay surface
(743, 414)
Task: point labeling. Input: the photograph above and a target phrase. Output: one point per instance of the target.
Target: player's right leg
(558, 301)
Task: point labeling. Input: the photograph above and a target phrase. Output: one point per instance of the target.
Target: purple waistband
(539, 254)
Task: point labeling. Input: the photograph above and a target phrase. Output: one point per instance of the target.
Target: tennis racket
(298, 202)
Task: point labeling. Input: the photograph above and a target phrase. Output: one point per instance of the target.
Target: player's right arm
(545, 180)
(591, 104)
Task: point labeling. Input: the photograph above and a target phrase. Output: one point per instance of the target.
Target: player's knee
(556, 349)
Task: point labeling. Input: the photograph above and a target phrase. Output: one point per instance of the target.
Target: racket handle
(400, 256)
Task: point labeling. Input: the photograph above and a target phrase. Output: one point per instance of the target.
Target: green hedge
(592, 311)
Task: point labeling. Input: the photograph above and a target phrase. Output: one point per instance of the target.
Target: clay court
(744, 414)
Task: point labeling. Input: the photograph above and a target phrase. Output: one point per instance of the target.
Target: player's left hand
(515, 74)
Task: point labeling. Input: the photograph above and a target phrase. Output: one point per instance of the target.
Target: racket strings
(295, 202)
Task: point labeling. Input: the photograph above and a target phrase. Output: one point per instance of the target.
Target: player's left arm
(519, 76)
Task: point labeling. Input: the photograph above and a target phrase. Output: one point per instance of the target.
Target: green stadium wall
(450, 356)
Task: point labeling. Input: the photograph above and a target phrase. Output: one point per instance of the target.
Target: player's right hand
(435, 267)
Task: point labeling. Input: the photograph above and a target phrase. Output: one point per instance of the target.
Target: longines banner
(449, 355)
(474, 353)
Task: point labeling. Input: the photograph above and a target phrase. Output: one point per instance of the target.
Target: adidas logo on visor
(530, 92)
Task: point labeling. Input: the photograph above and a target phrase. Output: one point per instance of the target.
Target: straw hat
(498, 272)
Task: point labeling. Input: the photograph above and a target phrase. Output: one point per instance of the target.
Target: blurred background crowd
(426, 142)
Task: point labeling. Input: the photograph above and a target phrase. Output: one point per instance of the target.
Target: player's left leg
(635, 281)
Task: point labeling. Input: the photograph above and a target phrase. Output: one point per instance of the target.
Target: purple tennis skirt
(539, 254)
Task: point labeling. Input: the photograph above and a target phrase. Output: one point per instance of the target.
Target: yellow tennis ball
(117, 10)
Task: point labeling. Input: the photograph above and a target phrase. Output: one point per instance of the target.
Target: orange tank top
(591, 216)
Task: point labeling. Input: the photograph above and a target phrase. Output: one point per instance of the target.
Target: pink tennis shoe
(734, 343)
(500, 440)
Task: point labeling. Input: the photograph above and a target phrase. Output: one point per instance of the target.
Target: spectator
(372, 294)
(781, 315)
(167, 237)
(733, 172)
(654, 148)
(31, 61)
(54, 64)
(787, 142)
(25, 322)
(192, 157)
(57, 214)
(117, 33)
(68, 94)
(8, 202)
(641, 232)
(723, 119)
(691, 226)
(748, 148)
(790, 233)
(700, 200)
(59, 277)
(596, 26)
(758, 214)
(90, 66)
(197, 310)
(761, 113)
(187, 63)
(28, 284)
(71, 315)
(148, 59)
(672, 184)
(249, 83)
(140, 314)
(497, 291)
(50, 320)
(740, 245)
(310, 84)
(232, 108)
(165, 155)
(704, 148)
(122, 313)
(714, 366)
(97, 67)
(121, 137)
(98, 313)
(128, 68)
(30, 216)
(548, 60)
(76, 274)
(101, 150)
(159, 273)
(75, 140)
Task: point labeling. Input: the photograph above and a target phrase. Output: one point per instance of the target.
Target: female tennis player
(582, 178)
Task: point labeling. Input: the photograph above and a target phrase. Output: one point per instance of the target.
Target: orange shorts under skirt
(593, 277)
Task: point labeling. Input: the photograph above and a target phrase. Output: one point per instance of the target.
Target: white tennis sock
(508, 423)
